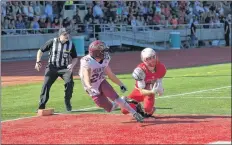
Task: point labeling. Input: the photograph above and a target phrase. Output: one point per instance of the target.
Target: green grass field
(180, 96)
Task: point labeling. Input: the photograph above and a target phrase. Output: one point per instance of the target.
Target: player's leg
(108, 91)
(102, 101)
(49, 78)
(136, 96)
(149, 102)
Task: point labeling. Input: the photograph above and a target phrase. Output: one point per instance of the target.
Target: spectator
(66, 22)
(56, 9)
(174, 22)
(88, 15)
(77, 17)
(157, 18)
(217, 22)
(227, 30)
(35, 25)
(125, 11)
(11, 28)
(9, 13)
(30, 10)
(206, 8)
(193, 33)
(27, 22)
(220, 9)
(149, 20)
(158, 8)
(134, 24)
(167, 23)
(207, 21)
(20, 24)
(37, 9)
(97, 11)
(3, 9)
(25, 8)
(49, 10)
(42, 24)
(162, 21)
(73, 26)
(167, 10)
(16, 9)
(181, 17)
(212, 7)
(56, 23)
(6, 23)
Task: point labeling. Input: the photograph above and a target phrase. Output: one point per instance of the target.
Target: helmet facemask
(150, 61)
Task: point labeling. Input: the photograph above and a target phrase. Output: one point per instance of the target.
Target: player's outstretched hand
(158, 87)
(123, 88)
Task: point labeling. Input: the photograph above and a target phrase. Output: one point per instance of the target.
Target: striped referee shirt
(59, 53)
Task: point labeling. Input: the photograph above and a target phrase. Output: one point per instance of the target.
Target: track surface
(109, 129)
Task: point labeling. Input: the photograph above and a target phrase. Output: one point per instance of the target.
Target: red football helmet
(98, 49)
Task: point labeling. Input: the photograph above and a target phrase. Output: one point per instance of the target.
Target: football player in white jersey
(93, 68)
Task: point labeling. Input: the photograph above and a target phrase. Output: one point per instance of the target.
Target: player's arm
(139, 75)
(86, 71)
(112, 76)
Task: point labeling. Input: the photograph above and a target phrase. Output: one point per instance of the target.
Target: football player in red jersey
(148, 76)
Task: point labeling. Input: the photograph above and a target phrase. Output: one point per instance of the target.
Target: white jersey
(97, 70)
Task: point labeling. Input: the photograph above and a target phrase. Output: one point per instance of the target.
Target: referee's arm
(46, 47)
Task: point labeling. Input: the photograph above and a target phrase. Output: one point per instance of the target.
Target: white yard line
(195, 92)
(18, 119)
(206, 97)
(169, 96)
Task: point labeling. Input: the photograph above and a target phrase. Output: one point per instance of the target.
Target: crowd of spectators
(44, 14)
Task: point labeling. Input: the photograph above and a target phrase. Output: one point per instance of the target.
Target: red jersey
(151, 77)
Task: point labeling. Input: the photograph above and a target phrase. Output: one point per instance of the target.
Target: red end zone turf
(116, 129)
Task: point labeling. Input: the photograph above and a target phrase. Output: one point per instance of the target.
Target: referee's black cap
(63, 30)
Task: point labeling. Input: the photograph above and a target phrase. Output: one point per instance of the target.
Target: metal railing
(150, 34)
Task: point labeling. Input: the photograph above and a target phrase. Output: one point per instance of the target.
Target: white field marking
(169, 96)
(19, 118)
(221, 142)
(85, 109)
(206, 97)
(194, 92)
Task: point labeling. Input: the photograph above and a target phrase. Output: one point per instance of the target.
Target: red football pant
(148, 101)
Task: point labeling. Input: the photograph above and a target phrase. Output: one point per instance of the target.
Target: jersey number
(96, 77)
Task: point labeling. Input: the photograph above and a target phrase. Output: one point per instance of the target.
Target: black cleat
(138, 117)
(129, 100)
(68, 106)
(139, 109)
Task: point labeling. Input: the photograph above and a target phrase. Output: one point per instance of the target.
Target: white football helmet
(148, 56)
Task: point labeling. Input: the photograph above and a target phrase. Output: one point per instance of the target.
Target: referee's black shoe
(68, 106)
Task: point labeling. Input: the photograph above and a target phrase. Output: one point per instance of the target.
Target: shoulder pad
(138, 74)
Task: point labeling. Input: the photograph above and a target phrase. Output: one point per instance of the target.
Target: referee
(61, 50)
